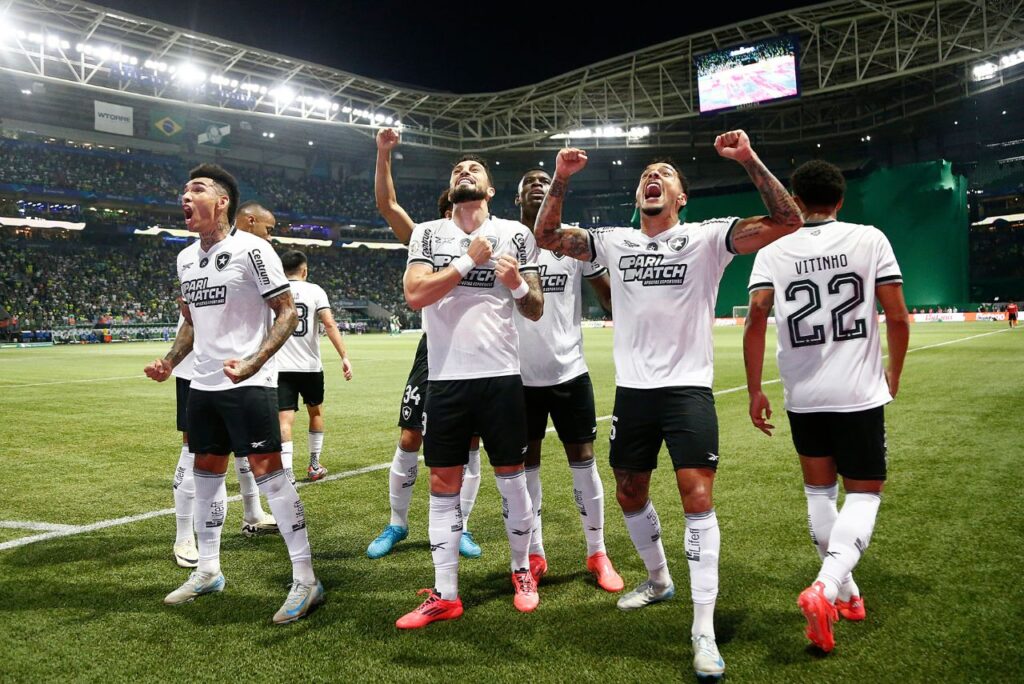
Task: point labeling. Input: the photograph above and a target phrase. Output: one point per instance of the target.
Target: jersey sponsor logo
(222, 260)
(198, 292)
(649, 270)
(693, 545)
(555, 282)
(261, 269)
(478, 277)
(677, 243)
(519, 240)
(203, 262)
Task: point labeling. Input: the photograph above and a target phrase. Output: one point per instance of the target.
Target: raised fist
(734, 145)
(570, 160)
(388, 138)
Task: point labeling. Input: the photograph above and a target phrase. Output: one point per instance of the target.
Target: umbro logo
(257, 445)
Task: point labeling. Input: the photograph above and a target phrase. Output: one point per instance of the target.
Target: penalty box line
(71, 530)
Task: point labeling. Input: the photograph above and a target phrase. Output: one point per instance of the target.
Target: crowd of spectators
(997, 252)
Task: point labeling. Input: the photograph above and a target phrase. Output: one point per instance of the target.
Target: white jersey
(225, 290)
(471, 330)
(663, 294)
(301, 352)
(551, 349)
(184, 369)
(824, 278)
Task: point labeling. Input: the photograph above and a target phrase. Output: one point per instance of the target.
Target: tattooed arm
(384, 188)
(548, 229)
(751, 234)
(287, 318)
(161, 369)
(531, 306)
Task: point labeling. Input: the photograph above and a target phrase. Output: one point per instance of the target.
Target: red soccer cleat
(820, 614)
(526, 597)
(852, 610)
(538, 566)
(601, 568)
(434, 608)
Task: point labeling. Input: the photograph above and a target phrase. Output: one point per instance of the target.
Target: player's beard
(653, 211)
(467, 193)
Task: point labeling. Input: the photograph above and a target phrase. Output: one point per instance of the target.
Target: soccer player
(300, 371)
(232, 285)
(556, 382)
(664, 284)
(823, 281)
(184, 485)
(405, 464)
(254, 218)
(468, 274)
(1011, 314)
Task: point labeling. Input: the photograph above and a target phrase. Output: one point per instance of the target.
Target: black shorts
(684, 417)
(571, 406)
(181, 391)
(458, 409)
(291, 384)
(855, 440)
(415, 397)
(242, 420)
(1012, 316)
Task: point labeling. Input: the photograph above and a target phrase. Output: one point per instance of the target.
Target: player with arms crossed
(405, 464)
(664, 284)
(556, 382)
(823, 281)
(232, 285)
(468, 273)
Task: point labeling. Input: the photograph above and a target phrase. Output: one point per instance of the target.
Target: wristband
(521, 291)
(464, 264)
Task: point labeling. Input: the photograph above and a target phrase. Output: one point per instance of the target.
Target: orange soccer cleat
(600, 566)
(434, 608)
(852, 610)
(820, 614)
(526, 597)
(538, 566)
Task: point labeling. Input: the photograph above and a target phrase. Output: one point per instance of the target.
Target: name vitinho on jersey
(649, 270)
(555, 282)
(815, 264)
(199, 293)
(478, 277)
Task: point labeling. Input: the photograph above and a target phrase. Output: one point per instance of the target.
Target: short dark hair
(679, 171)
(252, 206)
(818, 184)
(225, 180)
(292, 261)
(530, 170)
(479, 160)
(444, 204)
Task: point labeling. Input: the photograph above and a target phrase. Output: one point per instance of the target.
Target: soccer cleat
(316, 473)
(538, 566)
(820, 616)
(266, 525)
(707, 662)
(526, 597)
(302, 598)
(434, 608)
(468, 546)
(382, 545)
(197, 584)
(601, 568)
(645, 594)
(185, 553)
(852, 610)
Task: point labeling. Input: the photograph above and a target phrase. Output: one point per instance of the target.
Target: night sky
(457, 47)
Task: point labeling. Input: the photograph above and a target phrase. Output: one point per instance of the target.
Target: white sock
(517, 509)
(536, 497)
(470, 486)
(589, 495)
(821, 516)
(184, 487)
(252, 510)
(645, 531)
(210, 511)
(703, 545)
(291, 520)
(445, 532)
(850, 538)
(316, 445)
(287, 451)
(405, 466)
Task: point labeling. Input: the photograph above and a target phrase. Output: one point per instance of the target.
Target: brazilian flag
(166, 126)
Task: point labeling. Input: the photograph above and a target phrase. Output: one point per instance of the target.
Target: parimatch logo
(555, 282)
(478, 277)
(650, 270)
(199, 292)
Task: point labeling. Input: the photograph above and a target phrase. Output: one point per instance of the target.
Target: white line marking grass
(70, 530)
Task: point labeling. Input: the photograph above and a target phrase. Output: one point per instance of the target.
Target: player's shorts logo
(406, 413)
(203, 262)
(222, 260)
(677, 244)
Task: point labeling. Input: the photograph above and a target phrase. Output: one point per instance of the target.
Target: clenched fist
(388, 138)
(506, 268)
(159, 370)
(734, 145)
(479, 250)
(570, 160)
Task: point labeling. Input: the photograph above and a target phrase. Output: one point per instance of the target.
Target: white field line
(82, 529)
(32, 525)
(72, 382)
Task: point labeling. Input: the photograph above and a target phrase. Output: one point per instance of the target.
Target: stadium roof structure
(862, 65)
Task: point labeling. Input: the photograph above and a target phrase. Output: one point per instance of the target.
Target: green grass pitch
(85, 438)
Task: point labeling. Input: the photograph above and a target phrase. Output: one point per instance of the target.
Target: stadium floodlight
(310, 143)
(283, 95)
(334, 106)
(984, 71)
(26, 91)
(36, 38)
(190, 74)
